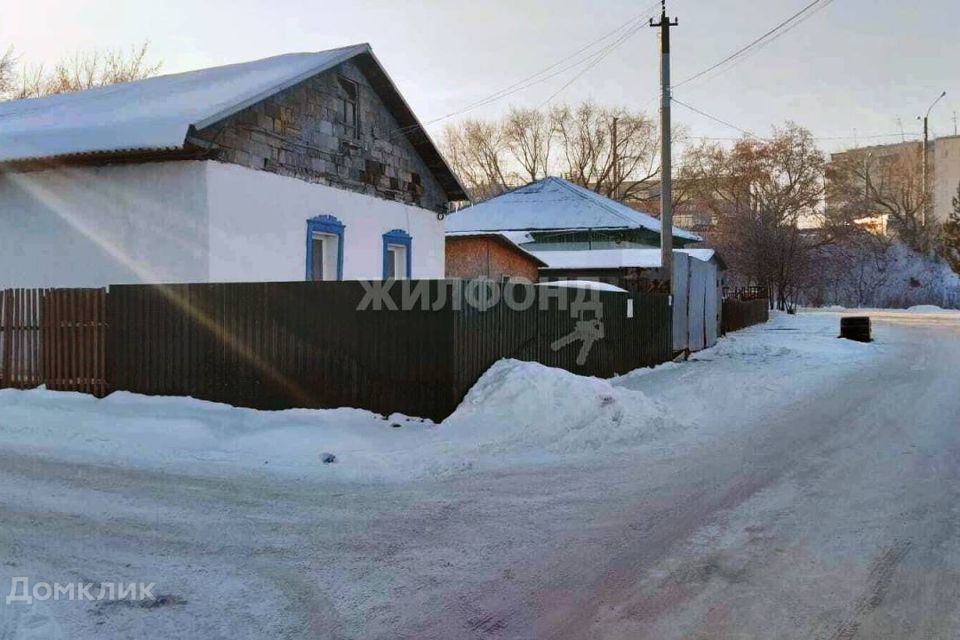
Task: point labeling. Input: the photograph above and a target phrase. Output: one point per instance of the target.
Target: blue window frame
(324, 248)
(396, 242)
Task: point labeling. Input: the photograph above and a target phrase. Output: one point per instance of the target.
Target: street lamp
(926, 117)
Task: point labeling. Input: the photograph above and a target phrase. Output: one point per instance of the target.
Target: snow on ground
(755, 371)
(517, 413)
(541, 491)
(920, 314)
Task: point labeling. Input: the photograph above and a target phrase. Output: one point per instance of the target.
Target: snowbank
(517, 412)
(525, 406)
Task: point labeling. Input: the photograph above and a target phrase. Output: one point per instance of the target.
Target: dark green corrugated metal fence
(313, 344)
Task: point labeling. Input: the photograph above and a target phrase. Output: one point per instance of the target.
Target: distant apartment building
(943, 169)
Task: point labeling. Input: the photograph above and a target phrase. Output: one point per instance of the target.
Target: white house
(300, 166)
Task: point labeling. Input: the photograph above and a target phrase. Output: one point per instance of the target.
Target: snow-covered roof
(150, 114)
(613, 258)
(553, 203)
(156, 114)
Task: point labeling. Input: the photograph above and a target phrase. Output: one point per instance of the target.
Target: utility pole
(616, 161)
(926, 141)
(666, 168)
(954, 123)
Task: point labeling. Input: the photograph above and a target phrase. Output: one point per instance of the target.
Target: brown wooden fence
(313, 344)
(316, 344)
(277, 345)
(20, 354)
(740, 314)
(74, 340)
(54, 337)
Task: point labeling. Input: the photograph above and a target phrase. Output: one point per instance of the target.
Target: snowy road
(813, 491)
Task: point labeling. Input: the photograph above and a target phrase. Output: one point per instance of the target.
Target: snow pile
(525, 406)
(925, 308)
(518, 411)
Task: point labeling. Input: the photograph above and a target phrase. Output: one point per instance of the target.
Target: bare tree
(585, 138)
(869, 184)
(528, 136)
(8, 72)
(767, 195)
(612, 151)
(83, 70)
(477, 151)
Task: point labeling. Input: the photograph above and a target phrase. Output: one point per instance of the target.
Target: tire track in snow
(878, 583)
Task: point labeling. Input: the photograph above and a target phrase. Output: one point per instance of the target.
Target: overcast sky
(853, 67)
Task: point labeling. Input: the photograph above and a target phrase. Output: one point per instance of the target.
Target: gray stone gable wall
(299, 133)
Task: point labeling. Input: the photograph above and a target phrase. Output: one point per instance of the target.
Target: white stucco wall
(85, 227)
(258, 226)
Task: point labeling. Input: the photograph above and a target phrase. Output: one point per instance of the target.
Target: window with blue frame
(396, 255)
(324, 248)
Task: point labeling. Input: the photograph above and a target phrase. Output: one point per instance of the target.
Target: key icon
(587, 330)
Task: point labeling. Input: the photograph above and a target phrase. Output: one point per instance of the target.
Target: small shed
(486, 254)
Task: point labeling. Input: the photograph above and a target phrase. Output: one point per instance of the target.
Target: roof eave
(113, 156)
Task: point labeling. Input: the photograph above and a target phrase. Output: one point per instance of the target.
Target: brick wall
(475, 257)
(301, 132)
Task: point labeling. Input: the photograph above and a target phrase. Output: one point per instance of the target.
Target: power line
(749, 134)
(750, 45)
(765, 43)
(626, 25)
(629, 28)
(716, 119)
(603, 54)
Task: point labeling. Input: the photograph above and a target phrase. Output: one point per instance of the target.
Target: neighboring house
(581, 235)
(485, 254)
(300, 166)
(558, 214)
